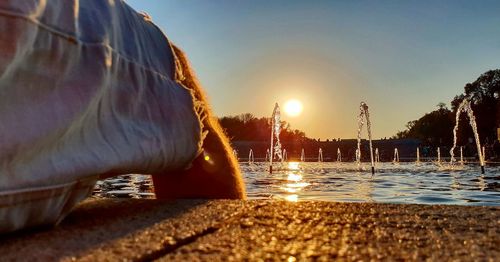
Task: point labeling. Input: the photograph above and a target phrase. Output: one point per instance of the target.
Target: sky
(400, 57)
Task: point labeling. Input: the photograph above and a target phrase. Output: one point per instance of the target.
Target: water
(439, 155)
(235, 153)
(461, 155)
(251, 158)
(364, 115)
(275, 133)
(125, 186)
(426, 183)
(409, 183)
(396, 156)
(465, 107)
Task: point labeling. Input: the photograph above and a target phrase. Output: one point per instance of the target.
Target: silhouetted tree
(246, 127)
(484, 94)
(434, 128)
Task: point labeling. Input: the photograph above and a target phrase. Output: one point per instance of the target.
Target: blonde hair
(222, 171)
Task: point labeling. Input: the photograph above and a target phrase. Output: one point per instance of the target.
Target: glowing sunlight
(293, 107)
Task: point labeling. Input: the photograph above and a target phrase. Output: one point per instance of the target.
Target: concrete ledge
(143, 230)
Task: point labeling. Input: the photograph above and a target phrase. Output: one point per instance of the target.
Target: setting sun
(293, 107)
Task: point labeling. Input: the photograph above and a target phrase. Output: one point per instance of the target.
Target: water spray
(418, 155)
(364, 114)
(396, 156)
(250, 157)
(465, 107)
(439, 156)
(461, 155)
(275, 132)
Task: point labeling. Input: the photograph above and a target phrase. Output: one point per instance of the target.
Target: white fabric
(86, 88)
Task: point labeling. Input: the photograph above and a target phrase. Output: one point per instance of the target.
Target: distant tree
(484, 94)
(246, 127)
(442, 105)
(437, 126)
(401, 135)
(245, 118)
(434, 128)
(411, 124)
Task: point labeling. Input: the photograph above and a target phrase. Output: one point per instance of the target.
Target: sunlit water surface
(425, 183)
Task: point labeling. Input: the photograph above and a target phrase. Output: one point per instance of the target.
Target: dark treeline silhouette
(347, 147)
(436, 128)
(247, 127)
(249, 132)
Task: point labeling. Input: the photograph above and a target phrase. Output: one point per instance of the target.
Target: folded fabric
(86, 88)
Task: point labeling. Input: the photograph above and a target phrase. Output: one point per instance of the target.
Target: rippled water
(125, 186)
(425, 183)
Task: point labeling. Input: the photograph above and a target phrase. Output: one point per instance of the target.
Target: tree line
(436, 128)
(247, 127)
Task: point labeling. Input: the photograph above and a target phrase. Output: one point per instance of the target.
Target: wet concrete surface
(200, 230)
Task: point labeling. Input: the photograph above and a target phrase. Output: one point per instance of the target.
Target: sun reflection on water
(294, 183)
(297, 185)
(293, 165)
(292, 198)
(294, 177)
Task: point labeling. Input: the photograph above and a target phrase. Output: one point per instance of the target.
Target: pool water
(425, 183)
(409, 183)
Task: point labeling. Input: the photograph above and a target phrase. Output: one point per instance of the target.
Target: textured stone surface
(111, 229)
(349, 231)
(262, 230)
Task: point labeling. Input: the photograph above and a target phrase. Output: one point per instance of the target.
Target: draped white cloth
(86, 87)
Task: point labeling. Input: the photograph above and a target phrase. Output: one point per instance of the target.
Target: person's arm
(213, 174)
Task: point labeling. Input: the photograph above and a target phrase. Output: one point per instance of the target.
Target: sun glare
(293, 107)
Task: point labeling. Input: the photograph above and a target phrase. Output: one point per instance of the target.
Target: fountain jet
(275, 132)
(418, 155)
(396, 156)
(465, 107)
(461, 155)
(250, 157)
(439, 156)
(377, 157)
(364, 114)
(339, 155)
(484, 154)
(358, 157)
(235, 153)
(302, 156)
(320, 155)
